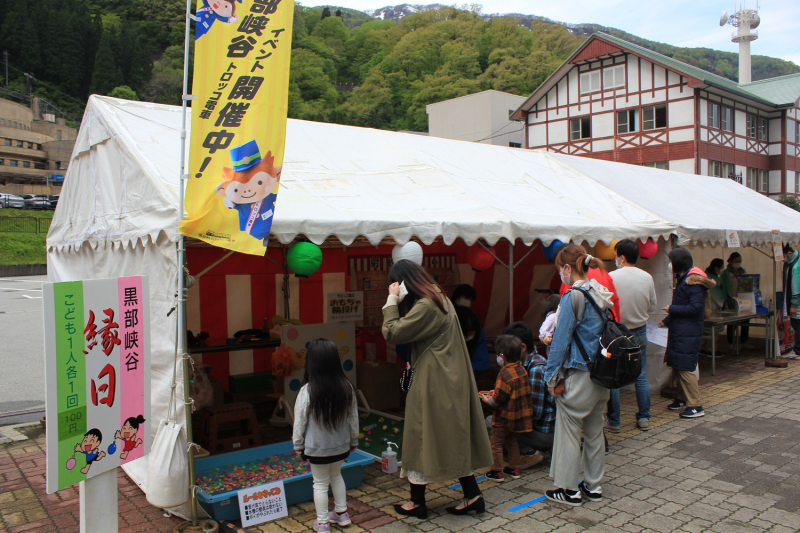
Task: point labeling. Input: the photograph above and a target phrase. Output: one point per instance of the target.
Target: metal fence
(24, 225)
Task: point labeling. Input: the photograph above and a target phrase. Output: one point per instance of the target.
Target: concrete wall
(475, 117)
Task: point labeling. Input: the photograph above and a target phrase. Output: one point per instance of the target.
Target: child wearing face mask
(513, 408)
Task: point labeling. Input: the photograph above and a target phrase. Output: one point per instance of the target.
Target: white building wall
(476, 117)
(774, 181)
(682, 165)
(680, 113)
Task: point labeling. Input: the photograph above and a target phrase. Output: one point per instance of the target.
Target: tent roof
(343, 181)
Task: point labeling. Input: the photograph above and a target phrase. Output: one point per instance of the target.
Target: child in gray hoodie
(326, 429)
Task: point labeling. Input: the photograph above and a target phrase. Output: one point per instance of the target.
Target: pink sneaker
(322, 528)
(342, 520)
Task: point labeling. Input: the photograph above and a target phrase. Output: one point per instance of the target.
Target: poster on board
(97, 372)
(777, 245)
(345, 307)
(262, 503)
(343, 334)
(732, 238)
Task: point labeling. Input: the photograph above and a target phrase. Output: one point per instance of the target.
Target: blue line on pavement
(458, 485)
(526, 504)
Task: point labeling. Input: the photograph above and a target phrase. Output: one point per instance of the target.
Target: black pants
(744, 334)
(468, 485)
(536, 440)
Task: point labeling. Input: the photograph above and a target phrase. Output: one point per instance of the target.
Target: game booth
(483, 215)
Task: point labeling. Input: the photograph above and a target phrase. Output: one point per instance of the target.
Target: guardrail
(24, 225)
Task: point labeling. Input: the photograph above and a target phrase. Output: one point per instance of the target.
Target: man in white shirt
(637, 299)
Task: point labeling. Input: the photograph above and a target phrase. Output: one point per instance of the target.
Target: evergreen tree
(326, 12)
(339, 13)
(106, 75)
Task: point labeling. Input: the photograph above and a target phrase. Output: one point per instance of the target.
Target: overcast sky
(693, 23)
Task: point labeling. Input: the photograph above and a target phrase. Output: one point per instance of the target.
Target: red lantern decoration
(647, 249)
(479, 258)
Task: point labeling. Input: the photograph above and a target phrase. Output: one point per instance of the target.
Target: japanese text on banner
(241, 84)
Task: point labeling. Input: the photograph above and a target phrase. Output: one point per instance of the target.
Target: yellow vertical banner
(238, 130)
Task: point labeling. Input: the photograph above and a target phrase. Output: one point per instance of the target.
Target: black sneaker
(512, 473)
(693, 412)
(494, 475)
(591, 495)
(677, 405)
(564, 496)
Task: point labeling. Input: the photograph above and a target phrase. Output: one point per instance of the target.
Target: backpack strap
(575, 337)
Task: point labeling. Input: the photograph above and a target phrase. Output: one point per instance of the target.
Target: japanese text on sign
(345, 307)
(262, 503)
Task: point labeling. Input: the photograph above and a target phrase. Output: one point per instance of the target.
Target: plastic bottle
(389, 459)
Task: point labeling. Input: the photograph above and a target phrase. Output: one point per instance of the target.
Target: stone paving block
(783, 518)
(657, 522)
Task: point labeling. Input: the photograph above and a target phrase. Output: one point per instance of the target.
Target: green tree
(790, 201)
(326, 12)
(124, 92)
(370, 105)
(339, 13)
(106, 74)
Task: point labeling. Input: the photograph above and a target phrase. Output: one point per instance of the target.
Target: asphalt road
(21, 347)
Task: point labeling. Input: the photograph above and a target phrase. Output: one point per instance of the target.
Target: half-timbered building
(618, 101)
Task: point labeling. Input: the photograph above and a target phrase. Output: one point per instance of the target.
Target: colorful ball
(549, 251)
(304, 259)
(647, 249)
(604, 251)
(410, 251)
(479, 258)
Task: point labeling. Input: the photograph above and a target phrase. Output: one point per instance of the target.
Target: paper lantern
(479, 258)
(304, 259)
(410, 251)
(605, 252)
(647, 249)
(549, 251)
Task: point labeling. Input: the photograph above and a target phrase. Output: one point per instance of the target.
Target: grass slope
(23, 248)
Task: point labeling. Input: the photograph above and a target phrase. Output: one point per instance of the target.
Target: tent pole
(181, 340)
(776, 350)
(511, 282)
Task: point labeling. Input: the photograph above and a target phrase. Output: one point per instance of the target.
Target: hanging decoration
(304, 259)
(549, 251)
(605, 252)
(479, 258)
(647, 249)
(411, 251)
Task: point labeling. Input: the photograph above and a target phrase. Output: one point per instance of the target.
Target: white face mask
(403, 291)
(737, 266)
(564, 280)
(616, 262)
(469, 337)
(466, 302)
(500, 361)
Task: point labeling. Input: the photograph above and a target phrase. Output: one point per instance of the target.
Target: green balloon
(304, 259)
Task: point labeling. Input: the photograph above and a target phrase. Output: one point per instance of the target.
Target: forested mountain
(347, 67)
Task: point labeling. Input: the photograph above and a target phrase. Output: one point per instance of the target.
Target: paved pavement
(21, 346)
(735, 470)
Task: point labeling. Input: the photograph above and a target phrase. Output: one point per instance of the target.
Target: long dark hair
(681, 261)
(715, 264)
(330, 394)
(419, 284)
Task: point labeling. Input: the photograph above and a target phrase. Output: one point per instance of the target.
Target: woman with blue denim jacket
(580, 402)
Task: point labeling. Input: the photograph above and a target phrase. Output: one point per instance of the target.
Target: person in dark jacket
(684, 321)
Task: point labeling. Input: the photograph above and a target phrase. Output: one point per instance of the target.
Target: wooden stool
(229, 427)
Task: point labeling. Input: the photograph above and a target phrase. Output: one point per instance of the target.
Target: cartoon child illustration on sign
(90, 446)
(250, 187)
(212, 11)
(128, 435)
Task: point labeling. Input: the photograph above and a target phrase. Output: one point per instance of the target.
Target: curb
(7, 271)
(10, 433)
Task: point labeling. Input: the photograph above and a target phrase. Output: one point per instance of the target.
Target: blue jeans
(642, 388)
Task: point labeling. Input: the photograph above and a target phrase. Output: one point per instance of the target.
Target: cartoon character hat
(245, 156)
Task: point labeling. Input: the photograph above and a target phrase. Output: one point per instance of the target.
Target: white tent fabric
(702, 207)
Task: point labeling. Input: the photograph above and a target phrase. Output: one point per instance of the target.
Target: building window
(40, 166)
(26, 164)
(727, 118)
(713, 115)
(763, 129)
(751, 126)
(2, 122)
(663, 165)
(580, 128)
(715, 169)
(614, 77)
(7, 142)
(752, 178)
(797, 132)
(590, 82)
(30, 145)
(729, 171)
(20, 144)
(38, 146)
(13, 163)
(3, 162)
(763, 181)
(511, 145)
(796, 180)
(627, 121)
(654, 117)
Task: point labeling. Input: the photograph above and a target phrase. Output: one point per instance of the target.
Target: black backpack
(618, 359)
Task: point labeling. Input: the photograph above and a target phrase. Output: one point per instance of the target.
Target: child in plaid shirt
(513, 408)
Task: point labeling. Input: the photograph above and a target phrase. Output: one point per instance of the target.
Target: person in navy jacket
(684, 321)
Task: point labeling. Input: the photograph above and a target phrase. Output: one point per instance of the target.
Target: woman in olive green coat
(445, 434)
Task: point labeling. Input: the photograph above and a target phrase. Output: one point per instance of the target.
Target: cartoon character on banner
(212, 11)
(128, 436)
(90, 446)
(250, 188)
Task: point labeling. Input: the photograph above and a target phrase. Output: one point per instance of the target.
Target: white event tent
(118, 208)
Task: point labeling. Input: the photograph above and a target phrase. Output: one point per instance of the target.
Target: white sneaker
(644, 424)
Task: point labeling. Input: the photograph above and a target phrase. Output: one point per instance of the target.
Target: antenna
(744, 20)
